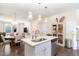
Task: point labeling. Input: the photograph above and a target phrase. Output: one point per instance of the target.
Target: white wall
(46, 27)
(77, 16)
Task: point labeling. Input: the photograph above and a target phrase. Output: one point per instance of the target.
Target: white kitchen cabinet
(43, 49)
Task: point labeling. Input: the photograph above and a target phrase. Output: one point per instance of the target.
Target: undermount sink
(40, 39)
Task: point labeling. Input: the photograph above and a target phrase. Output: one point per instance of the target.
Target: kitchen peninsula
(41, 48)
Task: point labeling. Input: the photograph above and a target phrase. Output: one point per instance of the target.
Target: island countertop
(31, 43)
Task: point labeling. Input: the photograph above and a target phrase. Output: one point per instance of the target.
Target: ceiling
(44, 9)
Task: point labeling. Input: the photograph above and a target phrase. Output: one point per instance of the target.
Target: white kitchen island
(42, 48)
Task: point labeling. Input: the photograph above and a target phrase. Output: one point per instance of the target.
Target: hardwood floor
(67, 52)
(19, 51)
(12, 51)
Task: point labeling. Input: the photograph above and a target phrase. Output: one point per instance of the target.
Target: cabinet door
(41, 51)
(44, 49)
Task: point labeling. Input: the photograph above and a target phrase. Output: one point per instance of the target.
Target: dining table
(11, 38)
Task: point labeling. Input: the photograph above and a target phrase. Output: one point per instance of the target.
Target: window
(7, 28)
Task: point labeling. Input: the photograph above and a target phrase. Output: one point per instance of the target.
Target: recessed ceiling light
(45, 7)
(39, 3)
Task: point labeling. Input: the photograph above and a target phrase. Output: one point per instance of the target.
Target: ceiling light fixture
(45, 7)
(30, 17)
(46, 19)
(39, 18)
(39, 3)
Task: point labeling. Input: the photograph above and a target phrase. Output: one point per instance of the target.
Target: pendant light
(30, 17)
(46, 19)
(39, 16)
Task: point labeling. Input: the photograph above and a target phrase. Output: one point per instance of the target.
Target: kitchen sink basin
(39, 40)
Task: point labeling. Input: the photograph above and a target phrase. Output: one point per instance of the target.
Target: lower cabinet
(43, 49)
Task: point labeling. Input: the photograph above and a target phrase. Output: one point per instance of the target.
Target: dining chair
(5, 42)
(17, 39)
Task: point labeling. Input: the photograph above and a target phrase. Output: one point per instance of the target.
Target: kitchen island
(41, 48)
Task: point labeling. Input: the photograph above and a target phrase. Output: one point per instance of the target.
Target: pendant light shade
(39, 18)
(30, 15)
(46, 19)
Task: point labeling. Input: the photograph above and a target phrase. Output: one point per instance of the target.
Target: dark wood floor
(12, 51)
(67, 52)
(19, 51)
